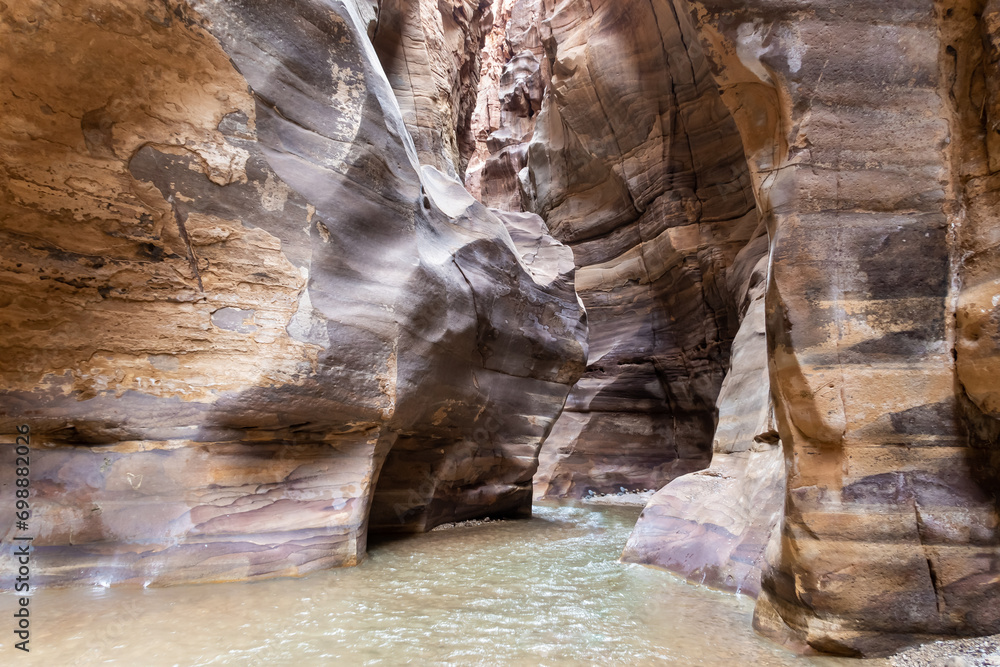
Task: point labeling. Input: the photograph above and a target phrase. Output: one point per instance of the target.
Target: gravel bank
(465, 524)
(971, 652)
(639, 498)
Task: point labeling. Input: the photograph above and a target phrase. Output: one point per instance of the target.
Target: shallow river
(544, 591)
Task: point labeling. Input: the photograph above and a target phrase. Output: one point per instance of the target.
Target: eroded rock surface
(230, 291)
(250, 312)
(713, 526)
(612, 129)
(513, 80)
(870, 132)
(430, 50)
(874, 168)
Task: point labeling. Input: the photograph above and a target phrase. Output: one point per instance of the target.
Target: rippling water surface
(544, 591)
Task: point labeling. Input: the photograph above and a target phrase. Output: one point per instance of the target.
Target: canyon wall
(856, 470)
(714, 526)
(869, 133)
(251, 313)
(430, 52)
(613, 130)
(231, 294)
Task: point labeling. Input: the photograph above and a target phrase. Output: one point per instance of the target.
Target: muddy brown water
(543, 591)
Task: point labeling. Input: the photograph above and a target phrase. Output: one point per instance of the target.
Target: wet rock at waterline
(713, 526)
(231, 295)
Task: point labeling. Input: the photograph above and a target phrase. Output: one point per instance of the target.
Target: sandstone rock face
(513, 81)
(870, 132)
(230, 293)
(713, 526)
(430, 50)
(978, 310)
(457, 458)
(486, 117)
(876, 173)
(612, 129)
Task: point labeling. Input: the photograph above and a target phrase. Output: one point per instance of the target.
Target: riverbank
(966, 652)
(625, 498)
(545, 590)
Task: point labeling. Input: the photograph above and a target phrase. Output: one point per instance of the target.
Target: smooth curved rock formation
(231, 292)
(713, 526)
(613, 131)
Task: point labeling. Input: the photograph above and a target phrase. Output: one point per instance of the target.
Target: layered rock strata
(430, 51)
(230, 291)
(714, 526)
(870, 133)
(611, 128)
(873, 164)
(514, 77)
(486, 117)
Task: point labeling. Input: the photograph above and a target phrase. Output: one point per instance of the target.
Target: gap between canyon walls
(870, 310)
(603, 118)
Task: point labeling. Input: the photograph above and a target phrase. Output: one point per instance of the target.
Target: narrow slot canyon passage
(519, 332)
